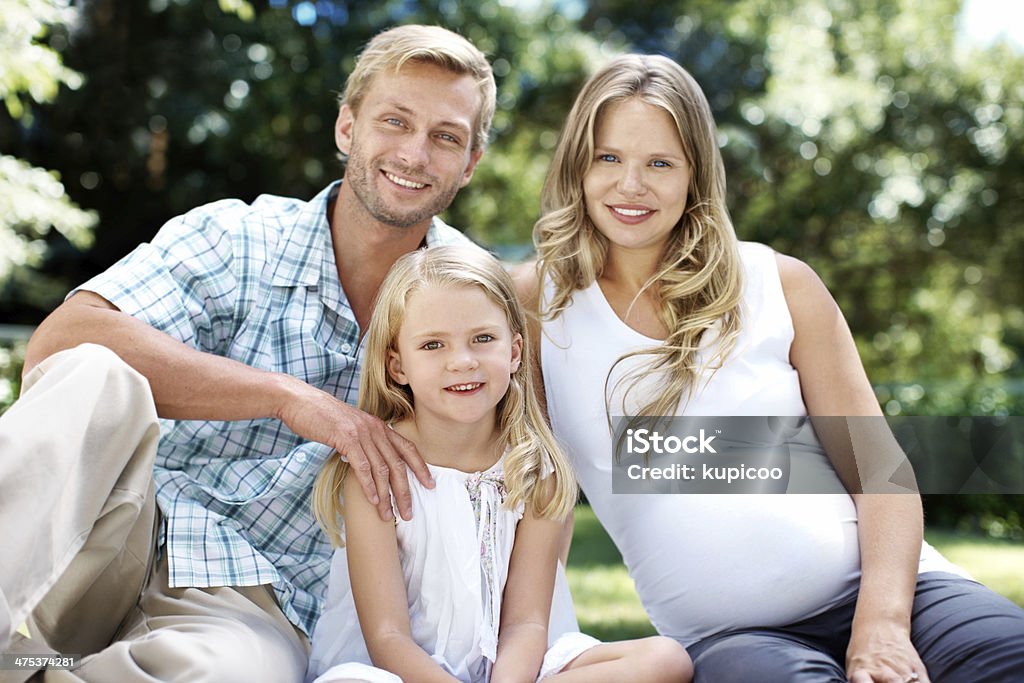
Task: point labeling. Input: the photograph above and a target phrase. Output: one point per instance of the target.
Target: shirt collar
(306, 242)
(307, 254)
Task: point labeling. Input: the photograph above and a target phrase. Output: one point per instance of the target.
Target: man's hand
(188, 384)
(377, 454)
(883, 653)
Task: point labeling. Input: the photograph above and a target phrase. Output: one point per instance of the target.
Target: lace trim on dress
(487, 494)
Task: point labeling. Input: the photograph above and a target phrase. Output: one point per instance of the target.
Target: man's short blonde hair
(391, 49)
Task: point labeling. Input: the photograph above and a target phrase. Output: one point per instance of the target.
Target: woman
(650, 306)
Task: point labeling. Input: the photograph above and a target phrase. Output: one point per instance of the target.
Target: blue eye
(393, 121)
(607, 157)
(658, 163)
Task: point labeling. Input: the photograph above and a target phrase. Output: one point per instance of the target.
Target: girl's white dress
(455, 553)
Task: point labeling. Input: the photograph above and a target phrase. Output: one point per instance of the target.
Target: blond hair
(697, 282)
(532, 448)
(391, 49)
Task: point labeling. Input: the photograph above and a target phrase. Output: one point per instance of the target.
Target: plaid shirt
(257, 284)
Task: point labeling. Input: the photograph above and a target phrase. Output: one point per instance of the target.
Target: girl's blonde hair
(532, 448)
(697, 282)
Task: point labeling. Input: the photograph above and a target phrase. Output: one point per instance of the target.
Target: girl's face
(456, 352)
(635, 190)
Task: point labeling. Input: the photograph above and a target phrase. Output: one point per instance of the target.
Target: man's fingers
(381, 473)
(363, 469)
(398, 474)
(400, 489)
(406, 450)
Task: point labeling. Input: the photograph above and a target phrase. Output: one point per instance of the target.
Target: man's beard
(360, 175)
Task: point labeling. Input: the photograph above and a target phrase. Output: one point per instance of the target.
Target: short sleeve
(183, 283)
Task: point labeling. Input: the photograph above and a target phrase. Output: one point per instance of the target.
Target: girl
(650, 306)
(462, 591)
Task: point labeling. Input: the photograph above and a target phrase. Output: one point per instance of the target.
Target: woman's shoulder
(795, 276)
(794, 273)
(806, 295)
(526, 279)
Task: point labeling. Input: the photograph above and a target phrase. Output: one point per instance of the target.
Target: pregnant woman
(649, 305)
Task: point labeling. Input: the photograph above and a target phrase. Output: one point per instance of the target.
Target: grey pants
(963, 632)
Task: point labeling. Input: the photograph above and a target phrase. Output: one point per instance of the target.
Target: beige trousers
(77, 532)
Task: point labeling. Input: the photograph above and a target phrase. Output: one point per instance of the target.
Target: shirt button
(345, 348)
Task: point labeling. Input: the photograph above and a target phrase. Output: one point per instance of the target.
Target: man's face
(410, 145)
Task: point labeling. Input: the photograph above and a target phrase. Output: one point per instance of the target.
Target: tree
(33, 201)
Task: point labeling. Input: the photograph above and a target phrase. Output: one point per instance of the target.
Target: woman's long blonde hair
(697, 283)
(523, 430)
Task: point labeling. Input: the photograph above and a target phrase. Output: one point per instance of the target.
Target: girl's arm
(890, 527)
(526, 605)
(378, 589)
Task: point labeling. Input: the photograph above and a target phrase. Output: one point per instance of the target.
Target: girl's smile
(465, 389)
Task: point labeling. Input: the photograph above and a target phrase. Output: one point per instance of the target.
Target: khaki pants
(77, 531)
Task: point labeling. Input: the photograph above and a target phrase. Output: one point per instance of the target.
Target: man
(239, 326)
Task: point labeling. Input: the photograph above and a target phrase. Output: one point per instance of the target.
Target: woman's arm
(526, 604)
(890, 526)
(378, 589)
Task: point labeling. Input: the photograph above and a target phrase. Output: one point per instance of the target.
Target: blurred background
(881, 141)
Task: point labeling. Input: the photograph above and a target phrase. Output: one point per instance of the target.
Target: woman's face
(635, 190)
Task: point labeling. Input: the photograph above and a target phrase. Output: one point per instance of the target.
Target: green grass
(999, 564)
(608, 608)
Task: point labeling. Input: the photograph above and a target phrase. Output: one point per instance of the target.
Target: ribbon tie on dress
(487, 494)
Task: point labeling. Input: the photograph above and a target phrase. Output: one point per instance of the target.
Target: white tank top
(707, 563)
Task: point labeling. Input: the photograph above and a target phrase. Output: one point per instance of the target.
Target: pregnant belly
(707, 563)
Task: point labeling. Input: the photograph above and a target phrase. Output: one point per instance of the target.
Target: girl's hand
(883, 653)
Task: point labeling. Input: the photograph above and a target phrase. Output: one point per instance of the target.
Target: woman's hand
(882, 653)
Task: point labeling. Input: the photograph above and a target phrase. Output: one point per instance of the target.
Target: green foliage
(991, 515)
(858, 136)
(32, 200)
(12, 357)
(30, 71)
(900, 194)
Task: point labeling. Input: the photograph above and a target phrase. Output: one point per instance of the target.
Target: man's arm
(188, 384)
